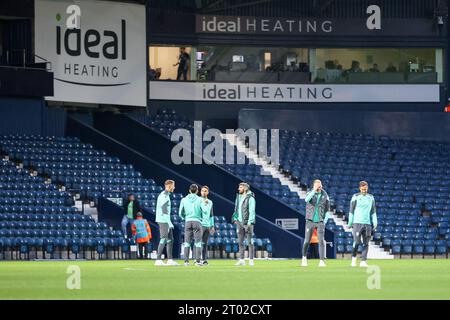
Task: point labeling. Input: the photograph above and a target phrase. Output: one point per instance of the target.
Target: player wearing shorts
(244, 217)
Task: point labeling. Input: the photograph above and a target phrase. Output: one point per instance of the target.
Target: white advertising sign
(118, 201)
(252, 92)
(97, 50)
(287, 224)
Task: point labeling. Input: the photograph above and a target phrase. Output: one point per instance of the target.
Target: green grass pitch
(276, 279)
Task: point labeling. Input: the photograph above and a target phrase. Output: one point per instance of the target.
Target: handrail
(45, 60)
(48, 64)
(24, 68)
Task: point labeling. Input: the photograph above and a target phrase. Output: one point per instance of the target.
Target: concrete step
(375, 251)
(87, 209)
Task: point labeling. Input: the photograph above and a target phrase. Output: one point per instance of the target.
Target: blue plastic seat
(396, 249)
(235, 245)
(218, 243)
(429, 247)
(268, 246)
(49, 245)
(228, 245)
(440, 249)
(101, 245)
(418, 247)
(407, 247)
(387, 242)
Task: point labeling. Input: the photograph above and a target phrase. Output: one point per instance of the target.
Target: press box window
(378, 65)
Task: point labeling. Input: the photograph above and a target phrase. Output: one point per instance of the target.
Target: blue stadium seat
(407, 247)
(441, 249)
(429, 247)
(228, 245)
(235, 245)
(268, 246)
(418, 247)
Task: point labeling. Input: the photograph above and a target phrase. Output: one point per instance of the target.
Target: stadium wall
(225, 114)
(405, 125)
(30, 116)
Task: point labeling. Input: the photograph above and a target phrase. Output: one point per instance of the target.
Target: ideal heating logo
(226, 24)
(290, 26)
(103, 46)
(249, 92)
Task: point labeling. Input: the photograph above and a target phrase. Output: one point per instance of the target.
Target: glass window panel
(298, 65)
(378, 65)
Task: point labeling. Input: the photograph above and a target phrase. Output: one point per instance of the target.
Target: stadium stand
(410, 180)
(37, 220)
(87, 174)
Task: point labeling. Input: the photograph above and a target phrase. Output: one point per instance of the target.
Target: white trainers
(198, 264)
(186, 263)
(170, 262)
(251, 262)
(363, 264)
(322, 263)
(353, 262)
(159, 263)
(304, 262)
(241, 262)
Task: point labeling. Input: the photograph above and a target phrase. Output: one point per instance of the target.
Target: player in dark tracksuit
(244, 217)
(317, 208)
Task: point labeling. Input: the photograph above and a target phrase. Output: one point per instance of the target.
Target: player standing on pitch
(244, 217)
(163, 210)
(191, 211)
(363, 219)
(317, 208)
(207, 222)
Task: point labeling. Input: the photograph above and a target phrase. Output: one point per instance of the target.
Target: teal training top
(362, 210)
(309, 196)
(190, 208)
(163, 208)
(207, 213)
(251, 209)
(316, 209)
